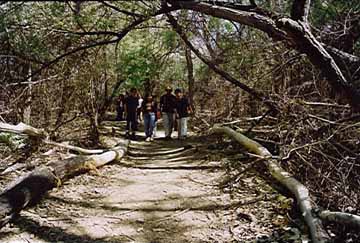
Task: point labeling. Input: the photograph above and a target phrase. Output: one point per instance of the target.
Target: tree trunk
(341, 218)
(27, 108)
(23, 128)
(32, 187)
(191, 80)
(216, 68)
(294, 31)
(317, 232)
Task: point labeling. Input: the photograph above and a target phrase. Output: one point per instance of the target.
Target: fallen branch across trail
(301, 193)
(29, 189)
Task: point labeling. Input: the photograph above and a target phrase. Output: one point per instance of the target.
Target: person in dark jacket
(149, 109)
(167, 107)
(120, 103)
(131, 106)
(183, 109)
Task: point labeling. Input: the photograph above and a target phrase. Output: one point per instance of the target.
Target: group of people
(174, 110)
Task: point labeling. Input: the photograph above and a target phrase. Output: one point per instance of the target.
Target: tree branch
(122, 10)
(120, 35)
(342, 55)
(85, 33)
(301, 193)
(252, 19)
(23, 128)
(233, 5)
(341, 218)
(300, 10)
(215, 68)
(296, 34)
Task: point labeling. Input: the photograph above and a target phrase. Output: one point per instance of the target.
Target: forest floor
(162, 192)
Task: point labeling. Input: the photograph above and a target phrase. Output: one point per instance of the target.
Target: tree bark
(31, 188)
(75, 148)
(191, 80)
(295, 32)
(300, 10)
(216, 69)
(23, 128)
(341, 218)
(301, 193)
(27, 108)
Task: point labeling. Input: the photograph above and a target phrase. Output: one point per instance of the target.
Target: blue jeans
(182, 127)
(168, 119)
(149, 123)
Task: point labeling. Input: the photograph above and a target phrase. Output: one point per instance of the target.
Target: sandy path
(161, 192)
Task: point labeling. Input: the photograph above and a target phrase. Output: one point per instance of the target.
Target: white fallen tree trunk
(75, 148)
(301, 193)
(341, 218)
(23, 128)
(32, 132)
(29, 189)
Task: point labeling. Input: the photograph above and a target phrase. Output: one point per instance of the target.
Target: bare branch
(32, 82)
(119, 36)
(296, 34)
(233, 5)
(86, 33)
(215, 68)
(122, 10)
(253, 19)
(341, 55)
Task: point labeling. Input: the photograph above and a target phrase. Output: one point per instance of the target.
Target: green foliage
(11, 140)
(137, 65)
(170, 38)
(324, 12)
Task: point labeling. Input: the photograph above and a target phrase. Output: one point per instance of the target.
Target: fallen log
(75, 148)
(23, 128)
(32, 132)
(341, 218)
(301, 193)
(29, 189)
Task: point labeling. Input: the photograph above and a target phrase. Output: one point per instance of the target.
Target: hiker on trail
(131, 106)
(167, 107)
(149, 109)
(183, 109)
(120, 104)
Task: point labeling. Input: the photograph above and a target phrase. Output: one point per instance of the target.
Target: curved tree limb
(215, 68)
(119, 36)
(252, 19)
(296, 34)
(341, 218)
(342, 55)
(123, 11)
(301, 193)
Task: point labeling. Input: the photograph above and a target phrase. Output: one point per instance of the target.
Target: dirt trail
(163, 191)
